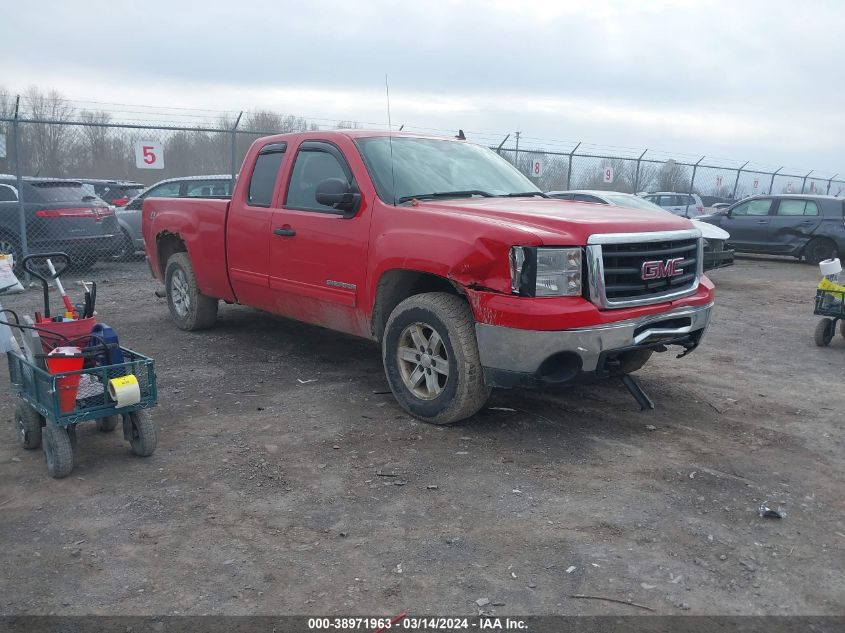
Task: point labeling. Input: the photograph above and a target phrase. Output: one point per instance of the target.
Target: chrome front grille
(617, 264)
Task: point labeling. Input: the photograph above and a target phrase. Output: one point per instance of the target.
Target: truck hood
(559, 222)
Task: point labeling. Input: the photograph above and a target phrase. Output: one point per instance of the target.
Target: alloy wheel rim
(423, 361)
(179, 293)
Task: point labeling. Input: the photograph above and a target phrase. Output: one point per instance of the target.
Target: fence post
(694, 168)
(235, 148)
(637, 176)
(19, 177)
(516, 153)
(736, 182)
(569, 168)
(504, 140)
(829, 182)
(772, 183)
(804, 182)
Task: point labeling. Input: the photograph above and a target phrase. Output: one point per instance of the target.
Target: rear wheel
(819, 249)
(127, 247)
(190, 309)
(29, 424)
(825, 329)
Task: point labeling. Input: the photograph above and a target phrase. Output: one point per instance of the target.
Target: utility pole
(516, 153)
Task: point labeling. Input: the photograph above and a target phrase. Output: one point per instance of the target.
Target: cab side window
(312, 166)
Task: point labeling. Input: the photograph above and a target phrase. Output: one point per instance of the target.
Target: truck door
(248, 229)
(748, 224)
(318, 255)
(792, 225)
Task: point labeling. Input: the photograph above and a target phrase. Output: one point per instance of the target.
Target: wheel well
(397, 285)
(166, 245)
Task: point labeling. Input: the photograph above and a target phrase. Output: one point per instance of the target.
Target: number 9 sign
(149, 155)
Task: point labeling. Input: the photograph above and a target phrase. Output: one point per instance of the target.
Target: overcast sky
(742, 79)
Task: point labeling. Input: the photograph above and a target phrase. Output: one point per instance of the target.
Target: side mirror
(338, 194)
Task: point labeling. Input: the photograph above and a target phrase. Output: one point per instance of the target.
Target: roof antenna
(390, 139)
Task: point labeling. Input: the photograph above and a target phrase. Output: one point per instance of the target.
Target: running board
(635, 390)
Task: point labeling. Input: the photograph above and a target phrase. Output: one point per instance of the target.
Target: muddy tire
(140, 431)
(825, 329)
(58, 451)
(842, 328)
(431, 358)
(109, 424)
(819, 249)
(191, 310)
(28, 423)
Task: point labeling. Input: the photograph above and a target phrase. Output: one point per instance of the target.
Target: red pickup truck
(439, 250)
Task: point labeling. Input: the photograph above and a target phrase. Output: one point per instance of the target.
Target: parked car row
(716, 252)
(88, 218)
(59, 215)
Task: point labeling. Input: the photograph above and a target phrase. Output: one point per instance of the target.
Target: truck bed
(201, 223)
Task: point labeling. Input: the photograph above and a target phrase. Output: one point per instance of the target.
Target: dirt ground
(287, 481)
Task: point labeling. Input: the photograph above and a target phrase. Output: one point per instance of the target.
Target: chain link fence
(66, 176)
(557, 170)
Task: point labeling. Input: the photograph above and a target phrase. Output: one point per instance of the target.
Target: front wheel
(825, 329)
(58, 451)
(190, 309)
(139, 429)
(431, 358)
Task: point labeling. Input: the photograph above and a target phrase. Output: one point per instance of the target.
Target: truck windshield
(439, 168)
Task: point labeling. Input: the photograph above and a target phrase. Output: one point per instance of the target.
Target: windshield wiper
(445, 194)
(526, 194)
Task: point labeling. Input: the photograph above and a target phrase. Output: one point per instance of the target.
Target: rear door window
(792, 207)
(262, 183)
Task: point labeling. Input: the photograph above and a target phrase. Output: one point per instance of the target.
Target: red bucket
(59, 361)
(53, 334)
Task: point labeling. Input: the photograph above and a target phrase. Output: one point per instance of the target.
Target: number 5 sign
(149, 155)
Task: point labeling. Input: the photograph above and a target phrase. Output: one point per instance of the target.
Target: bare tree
(46, 143)
(673, 177)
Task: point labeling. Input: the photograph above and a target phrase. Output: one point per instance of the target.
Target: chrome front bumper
(524, 352)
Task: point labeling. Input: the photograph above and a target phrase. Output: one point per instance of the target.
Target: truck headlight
(545, 272)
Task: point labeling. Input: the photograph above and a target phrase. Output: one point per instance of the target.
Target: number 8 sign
(536, 168)
(149, 155)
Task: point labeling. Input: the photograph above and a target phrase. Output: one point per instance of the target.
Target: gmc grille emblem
(658, 269)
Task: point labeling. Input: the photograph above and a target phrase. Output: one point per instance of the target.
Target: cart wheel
(57, 451)
(109, 424)
(29, 426)
(825, 329)
(141, 432)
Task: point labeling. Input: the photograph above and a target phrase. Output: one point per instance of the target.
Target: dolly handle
(45, 280)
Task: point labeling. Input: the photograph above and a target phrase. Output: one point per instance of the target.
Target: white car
(715, 253)
(687, 205)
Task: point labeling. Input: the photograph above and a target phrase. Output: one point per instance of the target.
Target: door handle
(284, 232)
(762, 221)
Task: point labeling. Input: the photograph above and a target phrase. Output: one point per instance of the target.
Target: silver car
(688, 205)
(129, 217)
